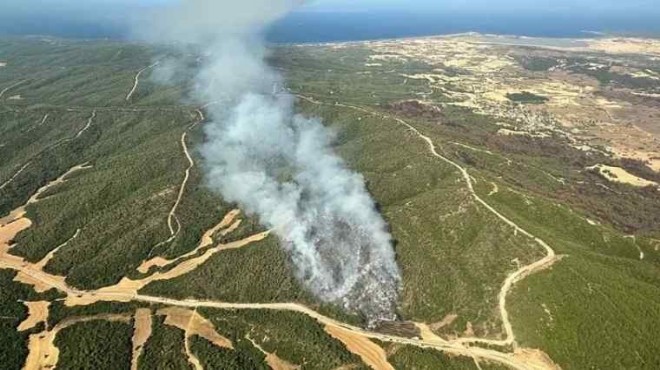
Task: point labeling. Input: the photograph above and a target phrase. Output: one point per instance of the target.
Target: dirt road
(89, 122)
(42, 351)
(20, 170)
(3, 91)
(136, 81)
(514, 277)
(141, 333)
(87, 125)
(370, 353)
(172, 220)
(75, 297)
(182, 188)
(127, 290)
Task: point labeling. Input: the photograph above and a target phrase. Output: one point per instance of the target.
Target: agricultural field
(519, 179)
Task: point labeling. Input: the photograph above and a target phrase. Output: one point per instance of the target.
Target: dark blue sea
(327, 27)
(306, 27)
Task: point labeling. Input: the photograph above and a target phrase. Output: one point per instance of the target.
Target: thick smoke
(278, 164)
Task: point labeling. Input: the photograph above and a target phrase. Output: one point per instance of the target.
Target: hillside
(519, 180)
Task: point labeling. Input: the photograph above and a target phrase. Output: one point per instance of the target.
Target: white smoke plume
(278, 164)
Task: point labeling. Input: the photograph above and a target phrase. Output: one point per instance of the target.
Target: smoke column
(279, 165)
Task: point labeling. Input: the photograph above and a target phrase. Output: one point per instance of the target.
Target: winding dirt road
(370, 353)
(142, 323)
(44, 354)
(11, 179)
(2, 93)
(182, 189)
(514, 277)
(136, 81)
(272, 360)
(87, 125)
(43, 120)
(172, 220)
(127, 290)
(79, 133)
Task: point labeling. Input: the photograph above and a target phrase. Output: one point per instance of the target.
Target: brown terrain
(273, 360)
(142, 331)
(479, 72)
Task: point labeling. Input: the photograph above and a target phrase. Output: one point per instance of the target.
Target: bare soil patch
(617, 174)
(273, 360)
(37, 313)
(141, 333)
(372, 354)
(194, 324)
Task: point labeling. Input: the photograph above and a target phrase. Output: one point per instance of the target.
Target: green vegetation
(59, 312)
(106, 198)
(542, 174)
(408, 357)
(585, 298)
(13, 345)
(256, 273)
(295, 337)
(95, 345)
(164, 349)
(600, 277)
(425, 202)
(453, 253)
(607, 76)
(120, 204)
(600, 260)
(537, 63)
(243, 356)
(318, 72)
(526, 97)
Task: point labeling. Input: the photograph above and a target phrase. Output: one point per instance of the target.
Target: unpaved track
(507, 359)
(4, 184)
(2, 93)
(370, 353)
(12, 225)
(172, 321)
(129, 293)
(273, 361)
(76, 297)
(172, 220)
(182, 189)
(52, 146)
(37, 313)
(80, 297)
(141, 332)
(227, 224)
(89, 122)
(42, 351)
(514, 277)
(192, 359)
(86, 127)
(44, 261)
(136, 81)
(127, 290)
(43, 120)
(192, 324)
